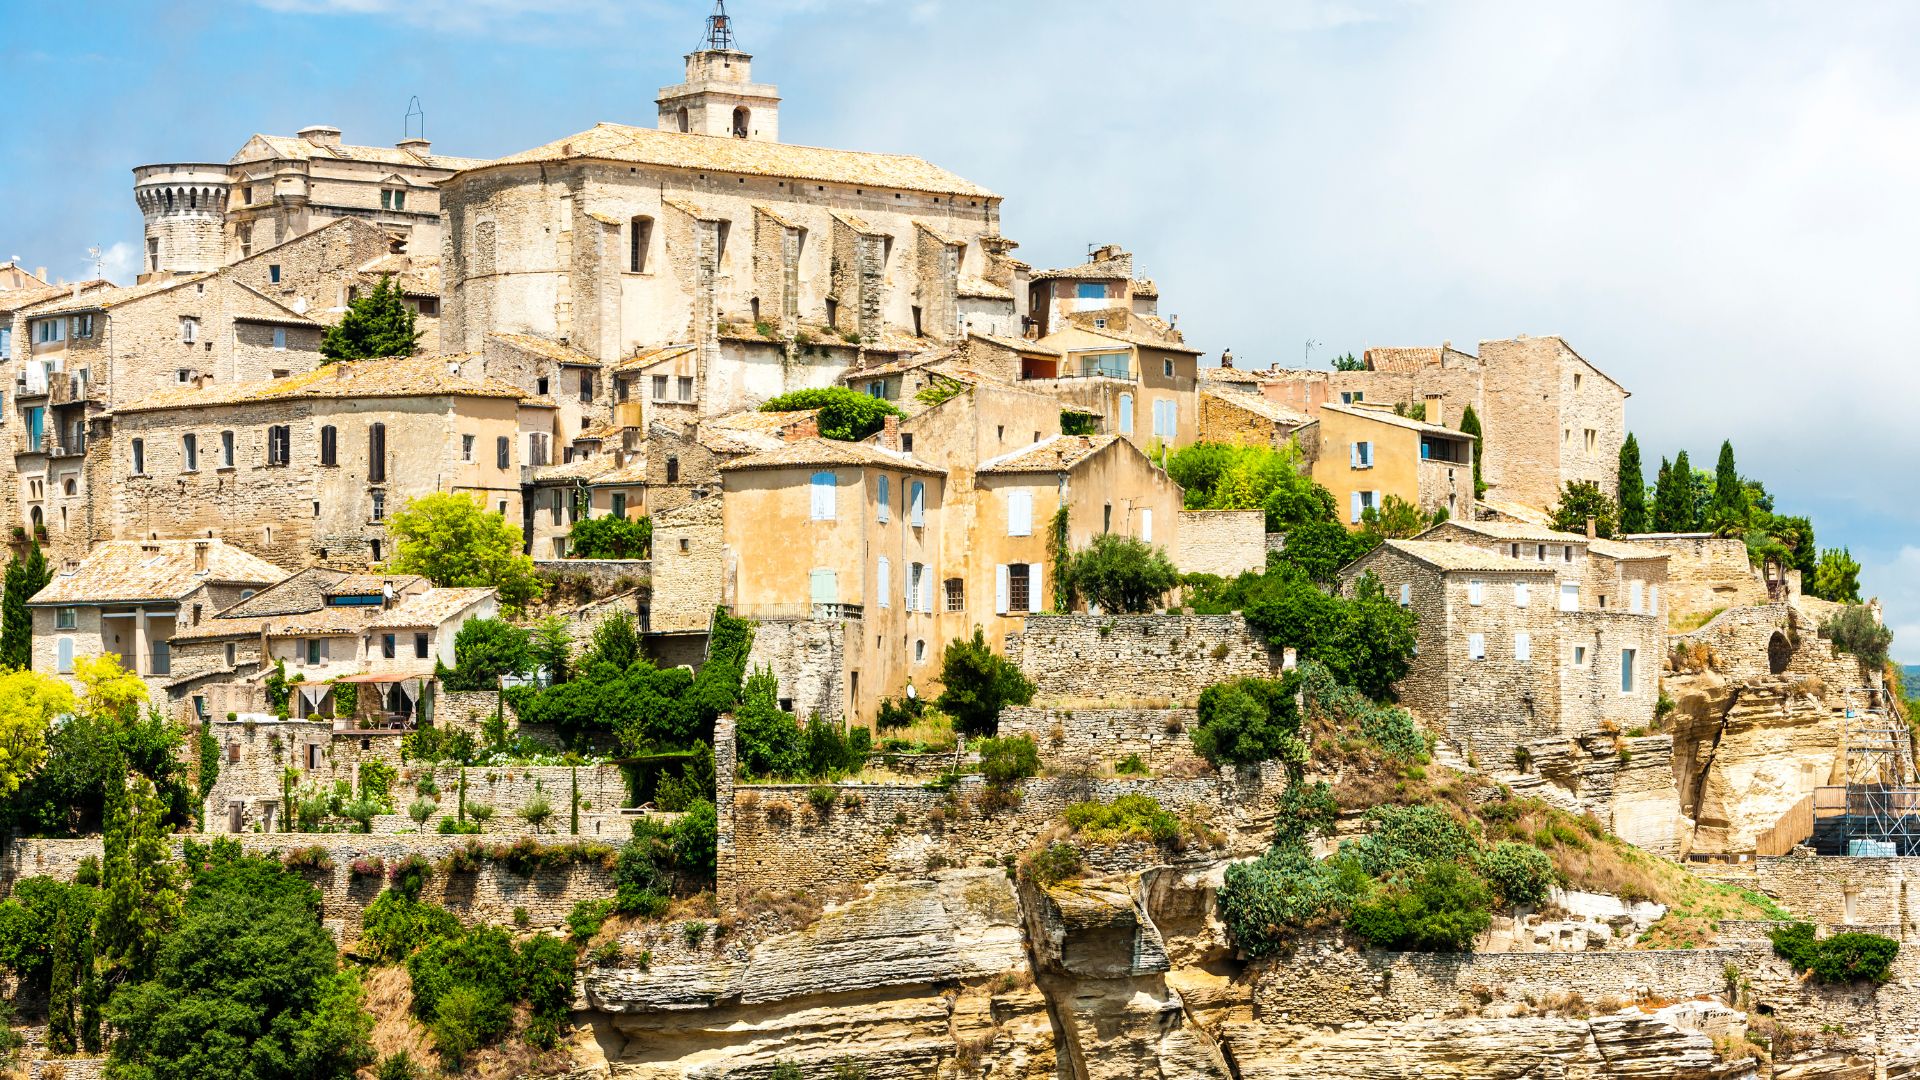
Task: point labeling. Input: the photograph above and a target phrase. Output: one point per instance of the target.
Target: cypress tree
(60, 1030)
(1729, 494)
(1632, 488)
(16, 630)
(1686, 495)
(1470, 425)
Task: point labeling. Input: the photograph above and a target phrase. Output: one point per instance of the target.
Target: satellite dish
(911, 692)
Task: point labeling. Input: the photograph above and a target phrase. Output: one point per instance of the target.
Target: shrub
(1003, 761)
(484, 650)
(1842, 958)
(585, 919)
(536, 812)
(822, 797)
(1854, 630)
(1442, 908)
(452, 827)
(1268, 901)
(374, 866)
(407, 876)
(1520, 873)
(398, 1065)
(1405, 836)
(903, 712)
(1055, 862)
(314, 858)
(610, 537)
(394, 926)
(1131, 765)
(696, 840)
(1121, 574)
(977, 684)
(1129, 817)
(420, 810)
(1247, 721)
(1305, 811)
(845, 414)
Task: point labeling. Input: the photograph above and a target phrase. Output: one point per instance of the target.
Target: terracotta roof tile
(1387, 416)
(413, 376)
(429, 608)
(1453, 558)
(1054, 454)
(1259, 405)
(803, 453)
(551, 350)
(123, 571)
(298, 149)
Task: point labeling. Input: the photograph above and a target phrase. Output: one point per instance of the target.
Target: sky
(1713, 202)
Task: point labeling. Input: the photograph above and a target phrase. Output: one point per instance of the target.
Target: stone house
(319, 273)
(1229, 414)
(840, 542)
(129, 599)
(546, 369)
(689, 545)
(306, 469)
(1362, 455)
(1141, 386)
(1099, 291)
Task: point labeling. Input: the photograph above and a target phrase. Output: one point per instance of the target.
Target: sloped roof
(1259, 405)
(651, 357)
(411, 376)
(551, 350)
(1120, 269)
(1388, 417)
(586, 467)
(303, 590)
(1512, 531)
(1451, 558)
(430, 607)
(1055, 453)
(15, 299)
(1144, 341)
(1025, 345)
(803, 453)
(114, 296)
(123, 571)
(297, 149)
(413, 275)
(673, 149)
(1415, 359)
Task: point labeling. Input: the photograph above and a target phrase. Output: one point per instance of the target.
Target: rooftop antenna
(414, 124)
(1306, 359)
(99, 261)
(719, 29)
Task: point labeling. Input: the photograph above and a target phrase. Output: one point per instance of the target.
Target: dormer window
(393, 198)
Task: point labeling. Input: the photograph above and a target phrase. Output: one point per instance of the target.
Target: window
(279, 444)
(673, 470)
(232, 653)
(822, 491)
(1406, 594)
(1593, 441)
(379, 505)
(36, 423)
(537, 448)
(1653, 599)
(1362, 501)
(1579, 656)
(190, 453)
(66, 618)
(1569, 596)
(329, 445)
(540, 385)
(419, 646)
(682, 117)
(1626, 670)
(502, 451)
(1166, 418)
(6, 342)
(823, 587)
(1090, 290)
(883, 494)
(280, 339)
(183, 376)
(1361, 455)
(189, 329)
(956, 594)
(684, 384)
(1146, 524)
(273, 273)
(226, 449)
(1166, 368)
(83, 326)
(48, 331)
(1019, 513)
(1520, 594)
(139, 457)
(1636, 596)
(917, 504)
(741, 118)
(639, 239)
(1126, 414)
(63, 656)
(387, 643)
(558, 498)
(466, 448)
(1566, 553)
(720, 231)
(376, 453)
(919, 588)
(1019, 587)
(1348, 397)
(1476, 593)
(316, 649)
(1540, 552)
(659, 388)
(1476, 646)
(619, 507)
(586, 386)
(920, 651)
(1523, 647)
(882, 572)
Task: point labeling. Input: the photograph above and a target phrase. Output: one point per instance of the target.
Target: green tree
(1121, 574)
(1632, 489)
(1232, 476)
(845, 414)
(1365, 640)
(484, 651)
(551, 648)
(25, 577)
(1440, 909)
(976, 685)
(1470, 425)
(1320, 548)
(450, 540)
(768, 740)
(1394, 519)
(1854, 630)
(139, 881)
(376, 325)
(29, 704)
(1836, 577)
(1675, 502)
(1730, 510)
(610, 537)
(1581, 501)
(615, 641)
(1347, 362)
(1247, 721)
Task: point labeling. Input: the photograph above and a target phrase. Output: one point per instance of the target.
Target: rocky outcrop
(1746, 755)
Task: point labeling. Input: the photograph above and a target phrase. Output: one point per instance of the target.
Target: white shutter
(1353, 455)
(1356, 507)
(1146, 524)
(1126, 414)
(1653, 599)
(1477, 646)
(1523, 646)
(880, 582)
(926, 589)
(1636, 596)
(1033, 588)
(917, 513)
(1000, 589)
(886, 500)
(822, 487)
(1019, 513)
(1520, 596)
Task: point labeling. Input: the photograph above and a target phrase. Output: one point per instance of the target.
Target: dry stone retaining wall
(1162, 737)
(1117, 658)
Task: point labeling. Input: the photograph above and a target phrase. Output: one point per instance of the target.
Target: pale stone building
(319, 273)
(1100, 294)
(1363, 455)
(1143, 387)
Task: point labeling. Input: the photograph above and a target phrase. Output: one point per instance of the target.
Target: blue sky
(1712, 201)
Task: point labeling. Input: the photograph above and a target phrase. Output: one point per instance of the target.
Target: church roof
(673, 149)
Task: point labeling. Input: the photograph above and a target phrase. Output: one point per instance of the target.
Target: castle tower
(184, 207)
(719, 96)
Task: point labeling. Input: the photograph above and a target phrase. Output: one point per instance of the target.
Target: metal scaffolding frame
(1882, 815)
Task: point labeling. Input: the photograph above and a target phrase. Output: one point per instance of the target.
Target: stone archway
(1779, 653)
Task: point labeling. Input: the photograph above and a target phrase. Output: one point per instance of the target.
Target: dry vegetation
(389, 997)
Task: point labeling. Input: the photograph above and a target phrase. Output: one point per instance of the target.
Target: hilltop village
(672, 602)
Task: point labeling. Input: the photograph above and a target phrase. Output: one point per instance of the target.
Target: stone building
(204, 215)
(1141, 386)
(306, 468)
(1098, 293)
(128, 599)
(1362, 455)
(1229, 414)
(319, 273)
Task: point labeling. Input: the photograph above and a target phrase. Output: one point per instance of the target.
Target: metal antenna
(99, 262)
(1306, 359)
(719, 29)
(416, 118)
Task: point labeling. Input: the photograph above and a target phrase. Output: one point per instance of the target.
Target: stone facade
(808, 659)
(1222, 542)
(687, 581)
(1704, 573)
(1162, 658)
(1162, 737)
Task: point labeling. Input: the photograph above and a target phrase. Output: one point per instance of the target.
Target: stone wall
(808, 658)
(1837, 892)
(1223, 542)
(1162, 737)
(1704, 573)
(601, 577)
(1167, 659)
(464, 710)
(687, 566)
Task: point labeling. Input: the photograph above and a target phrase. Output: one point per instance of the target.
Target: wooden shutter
(376, 453)
(1000, 589)
(1033, 588)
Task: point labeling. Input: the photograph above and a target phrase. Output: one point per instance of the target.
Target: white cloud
(117, 263)
(467, 16)
(1897, 583)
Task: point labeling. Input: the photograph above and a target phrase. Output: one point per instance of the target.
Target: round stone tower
(185, 207)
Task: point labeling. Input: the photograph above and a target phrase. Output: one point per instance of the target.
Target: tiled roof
(303, 590)
(761, 420)
(552, 350)
(651, 357)
(1106, 269)
(429, 608)
(123, 571)
(1517, 511)
(1143, 340)
(1458, 557)
(1230, 375)
(983, 289)
(413, 275)
(1145, 287)
(1025, 345)
(599, 429)
(298, 149)
(1054, 454)
(1416, 359)
(1511, 531)
(112, 297)
(673, 149)
(15, 299)
(1260, 405)
(412, 376)
(1387, 416)
(585, 467)
(633, 472)
(803, 453)
(368, 584)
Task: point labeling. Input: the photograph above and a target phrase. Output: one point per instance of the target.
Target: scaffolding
(1878, 812)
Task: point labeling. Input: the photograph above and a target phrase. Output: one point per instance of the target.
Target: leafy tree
(1265, 903)
(1395, 519)
(107, 734)
(1075, 422)
(550, 648)
(1441, 908)
(1232, 476)
(1470, 425)
(1580, 501)
(845, 414)
(1121, 574)
(1842, 958)
(768, 740)
(610, 537)
(1855, 631)
(977, 684)
(1365, 640)
(452, 541)
(1730, 506)
(25, 577)
(376, 325)
(140, 885)
(1347, 362)
(485, 651)
(1248, 721)
(1319, 549)
(29, 703)
(615, 641)
(1520, 873)
(1632, 489)
(1836, 577)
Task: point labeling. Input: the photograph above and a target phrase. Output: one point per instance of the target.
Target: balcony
(76, 446)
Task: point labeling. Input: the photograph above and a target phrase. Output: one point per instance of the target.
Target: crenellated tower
(185, 206)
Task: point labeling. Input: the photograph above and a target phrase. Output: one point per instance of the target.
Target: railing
(835, 611)
(1795, 827)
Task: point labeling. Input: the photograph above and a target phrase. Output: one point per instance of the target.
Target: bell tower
(719, 96)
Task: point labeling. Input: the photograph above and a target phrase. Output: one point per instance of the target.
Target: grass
(1687, 622)
(932, 733)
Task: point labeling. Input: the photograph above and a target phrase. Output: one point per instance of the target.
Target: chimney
(320, 134)
(807, 428)
(1593, 530)
(890, 433)
(200, 556)
(40, 272)
(416, 145)
(1226, 359)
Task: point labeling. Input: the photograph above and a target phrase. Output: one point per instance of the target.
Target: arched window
(740, 118)
(69, 487)
(683, 119)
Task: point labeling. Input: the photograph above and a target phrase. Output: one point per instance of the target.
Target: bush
(898, 713)
(845, 414)
(1842, 958)
(1405, 836)
(1121, 574)
(1520, 873)
(1442, 908)
(395, 925)
(1305, 811)
(768, 739)
(1131, 765)
(696, 841)
(486, 649)
(586, 918)
(398, 1065)
(1003, 761)
(977, 684)
(1129, 817)
(1854, 630)
(1054, 863)
(1267, 902)
(610, 537)
(1248, 721)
